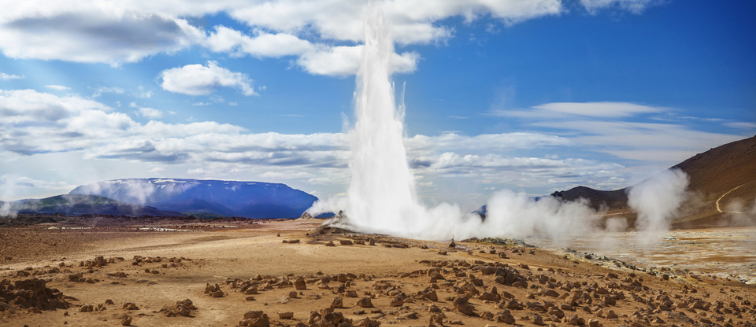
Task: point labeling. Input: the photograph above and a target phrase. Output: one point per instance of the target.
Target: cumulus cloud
(263, 44)
(150, 113)
(7, 77)
(345, 61)
(412, 21)
(315, 31)
(83, 32)
(203, 80)
(114, 33)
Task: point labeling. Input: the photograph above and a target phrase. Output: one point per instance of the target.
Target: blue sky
(533, 96)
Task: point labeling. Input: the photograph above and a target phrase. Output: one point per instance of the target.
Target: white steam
(657, 201)
(7, 188)
(136, 191)
(738, 213)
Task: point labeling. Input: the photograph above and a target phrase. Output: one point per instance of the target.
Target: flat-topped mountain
(206, 197)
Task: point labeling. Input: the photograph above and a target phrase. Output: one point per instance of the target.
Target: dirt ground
(141, 275)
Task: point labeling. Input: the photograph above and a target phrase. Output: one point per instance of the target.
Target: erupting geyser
(382, 198)
(381, 195)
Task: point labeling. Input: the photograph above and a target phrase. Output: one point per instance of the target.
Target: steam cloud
(657, 201)
(740, 214)
(6, 191)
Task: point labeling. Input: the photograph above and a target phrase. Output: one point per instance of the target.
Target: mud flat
(726, 253)
(292, 273)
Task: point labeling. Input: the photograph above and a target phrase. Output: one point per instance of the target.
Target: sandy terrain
(397, 282)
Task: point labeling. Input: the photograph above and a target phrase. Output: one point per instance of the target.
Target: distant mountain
(616, 199)
(213, 197)
(725, 174)
(76, 204)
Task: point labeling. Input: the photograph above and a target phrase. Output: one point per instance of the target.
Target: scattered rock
(365, 302)
(463, 307)
(300, 284)
(130, 306)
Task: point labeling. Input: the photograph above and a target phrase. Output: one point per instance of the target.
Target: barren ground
(416, 285)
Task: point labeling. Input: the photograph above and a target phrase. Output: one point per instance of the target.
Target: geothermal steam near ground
(382, 198)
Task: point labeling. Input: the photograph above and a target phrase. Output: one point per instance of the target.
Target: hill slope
(725, 174)
(226, 198)
(76, 204)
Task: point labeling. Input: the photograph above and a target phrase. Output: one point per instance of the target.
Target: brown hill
(720, 180)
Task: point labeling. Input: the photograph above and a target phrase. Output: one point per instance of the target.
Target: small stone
(337, 303)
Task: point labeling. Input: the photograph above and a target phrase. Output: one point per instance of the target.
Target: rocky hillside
(720, 179)
(208, 197)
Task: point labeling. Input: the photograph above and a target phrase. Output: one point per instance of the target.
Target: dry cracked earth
(295, 273)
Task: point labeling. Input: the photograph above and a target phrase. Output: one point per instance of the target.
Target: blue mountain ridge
(217, 197)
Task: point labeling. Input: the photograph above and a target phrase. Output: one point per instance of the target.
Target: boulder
(463, 307)
(505, 317)
(300, 284)
(365, 302)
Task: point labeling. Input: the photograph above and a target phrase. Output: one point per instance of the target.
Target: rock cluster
(30, 293)
(181, 308)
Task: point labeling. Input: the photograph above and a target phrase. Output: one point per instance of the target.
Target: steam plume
(657, 201)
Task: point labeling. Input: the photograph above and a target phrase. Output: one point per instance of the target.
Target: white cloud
(631, 139)
(203, 80)
(58, 87)
(7, 77)
(195, 171)
(564, 110)
(118, 32)
(90, 32)
(345, 61)
(263, 44)
(100, 90)
(150, 113)
(412, 21)
(598, 109)
(157, 170)
(634, 6)
(741, 124)
(14, 187)
(613, 128)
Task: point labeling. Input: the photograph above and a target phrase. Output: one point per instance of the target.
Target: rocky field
(295, 273)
